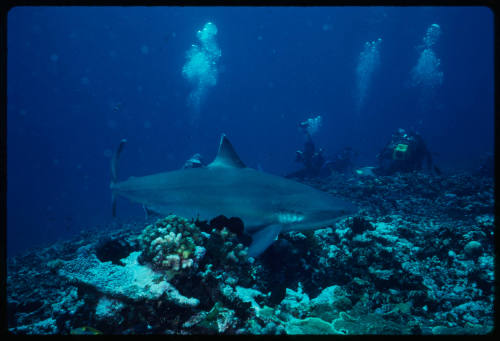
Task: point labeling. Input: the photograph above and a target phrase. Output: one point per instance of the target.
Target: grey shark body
(267, 204)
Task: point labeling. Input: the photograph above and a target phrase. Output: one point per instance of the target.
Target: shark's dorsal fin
(226, 156)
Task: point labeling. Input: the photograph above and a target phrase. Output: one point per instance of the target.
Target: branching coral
(172, 244)
(175, 245)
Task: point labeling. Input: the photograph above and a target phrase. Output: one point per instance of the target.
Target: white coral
(173, 262)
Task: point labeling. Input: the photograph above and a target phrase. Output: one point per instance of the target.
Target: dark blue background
(79, 81)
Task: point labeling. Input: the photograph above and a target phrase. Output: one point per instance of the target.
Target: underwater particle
(54, 57)
(144, 49)
(84, 80)
(22, 112)
(259, 38)
(200, 68)
(147, 124)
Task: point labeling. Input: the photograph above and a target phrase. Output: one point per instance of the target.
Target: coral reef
(172, 244)
(418, 258)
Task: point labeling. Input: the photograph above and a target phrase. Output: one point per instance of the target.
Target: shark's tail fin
(114, 173)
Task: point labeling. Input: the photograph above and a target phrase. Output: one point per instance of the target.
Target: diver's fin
(226, 156)
(114, 173)
(262, 239)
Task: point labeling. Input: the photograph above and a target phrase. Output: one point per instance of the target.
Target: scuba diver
(404, 153)
(315, 164)
(341, 162)
(195, 161)
(312, 160)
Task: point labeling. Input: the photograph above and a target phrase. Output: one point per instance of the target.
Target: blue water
(82, 78)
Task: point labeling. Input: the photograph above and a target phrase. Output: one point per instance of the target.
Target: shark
(267, 204)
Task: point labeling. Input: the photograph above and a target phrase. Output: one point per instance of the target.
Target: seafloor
(418, 258)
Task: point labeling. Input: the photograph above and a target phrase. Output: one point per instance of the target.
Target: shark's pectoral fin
(262, 239)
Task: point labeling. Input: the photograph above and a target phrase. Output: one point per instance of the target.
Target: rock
(47, 326)
(367, 324)
(457, 330)
(108, 309)
(330, 302)
(473, 249)
(249, 295)
(295, 303)
(132, 281)
(358, 225)
(310, 325)
(68, 303)
(218, 320)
